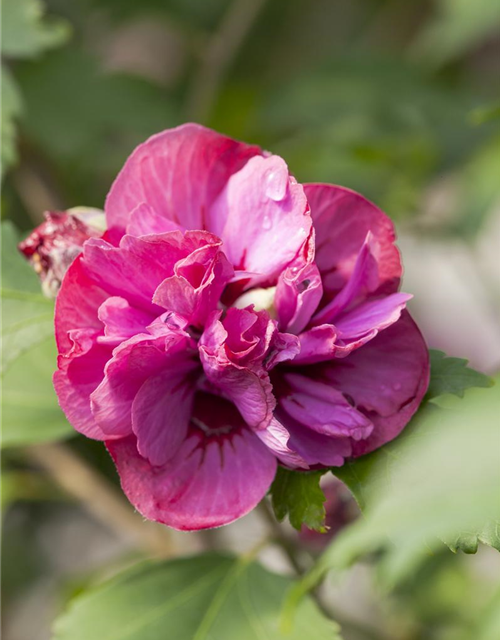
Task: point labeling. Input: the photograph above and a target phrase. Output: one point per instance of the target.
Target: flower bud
(54, 244)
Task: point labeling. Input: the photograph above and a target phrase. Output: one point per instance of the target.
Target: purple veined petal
(342, 218)
(374, 315)
(121, 320)
(178, 173)
(162, 409)
(79, 374)
(316, 449)
(145, 221)
(276, 439)
(322, 408)
(363, 279)
(386, 380)
(220, 472)
(263, 218)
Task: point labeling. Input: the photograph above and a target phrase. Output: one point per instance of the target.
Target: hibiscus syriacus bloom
(230, 320)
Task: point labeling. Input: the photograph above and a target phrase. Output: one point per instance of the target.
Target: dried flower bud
(54, 244)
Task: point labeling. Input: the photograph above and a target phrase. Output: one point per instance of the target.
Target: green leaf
(297, 494)
(29, 405)
(11, 109)
(436, 482)
(27, 317)
(30, 410)
(452, 375)
(205, 597)
(25, 30)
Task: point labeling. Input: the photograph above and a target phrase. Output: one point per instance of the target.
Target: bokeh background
(398, 99)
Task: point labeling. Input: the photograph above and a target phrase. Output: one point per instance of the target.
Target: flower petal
(263, 218)
(342, 218)
(386, 380)
(178, 173)
(211, 481)
(322, 408)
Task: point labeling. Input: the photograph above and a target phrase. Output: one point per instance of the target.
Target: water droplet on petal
(266, 223)
(276, 183)
(396, 386)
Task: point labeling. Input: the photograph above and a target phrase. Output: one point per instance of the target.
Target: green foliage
(458, 26)
(452, 375)
(27, 316)
(25, 30)
(297, 494)
(87, 121)
(414, 492)
(199, 598)
(29, 406)
(11, 108)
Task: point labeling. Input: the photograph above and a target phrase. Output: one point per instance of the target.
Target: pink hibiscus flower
(230, 320)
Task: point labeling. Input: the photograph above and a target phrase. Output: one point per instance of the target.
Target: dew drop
(276, 183)
(266, 223)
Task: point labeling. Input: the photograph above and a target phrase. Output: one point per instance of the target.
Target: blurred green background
(398, 99)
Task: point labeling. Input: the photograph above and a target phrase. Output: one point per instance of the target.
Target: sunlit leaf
(25, 30)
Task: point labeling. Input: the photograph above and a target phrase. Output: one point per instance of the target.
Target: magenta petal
(178, 173)
(322, 408)
(161, 412)
(262, 216)
(208, 483)
(386, 380)
(121, 320)
(196, 289)
(298, 294)
(372, 315)
(316, 449)
(78, 375)
(342, 219)
(362, 281)
(145, 221)
(276, 439)
(77, 305)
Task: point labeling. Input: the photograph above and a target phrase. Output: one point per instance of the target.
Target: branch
(221, 50)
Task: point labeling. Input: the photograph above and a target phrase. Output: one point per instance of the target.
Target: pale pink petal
(263, 218)
(386, 380)
(342, 218)
(178, 173)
